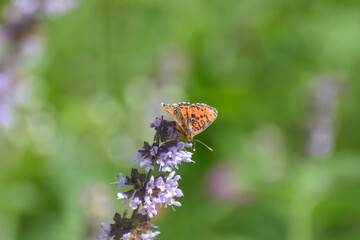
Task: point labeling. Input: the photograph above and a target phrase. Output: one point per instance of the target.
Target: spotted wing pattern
(192, 118)
(201, 117)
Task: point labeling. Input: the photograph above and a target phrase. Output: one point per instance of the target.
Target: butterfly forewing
(201, 117)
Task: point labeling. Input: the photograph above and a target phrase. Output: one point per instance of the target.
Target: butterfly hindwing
(184, 107)
(180, 114)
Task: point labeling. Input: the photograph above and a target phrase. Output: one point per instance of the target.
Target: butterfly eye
(189, 140)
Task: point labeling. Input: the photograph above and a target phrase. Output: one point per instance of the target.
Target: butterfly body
(192, 118)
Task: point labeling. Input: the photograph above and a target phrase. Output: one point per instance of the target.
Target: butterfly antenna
(203, 144)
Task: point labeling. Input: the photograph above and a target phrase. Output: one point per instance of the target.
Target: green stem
(137, 209)
(134, 213)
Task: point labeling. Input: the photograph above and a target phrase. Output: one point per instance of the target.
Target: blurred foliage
(109, 64)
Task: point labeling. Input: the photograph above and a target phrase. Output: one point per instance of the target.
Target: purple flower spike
(148, 191)
(165, 130)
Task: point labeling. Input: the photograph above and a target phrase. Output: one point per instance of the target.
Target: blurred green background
(283, 76)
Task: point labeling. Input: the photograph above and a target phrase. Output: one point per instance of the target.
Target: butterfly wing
(184, 107)
(201, 117)
(180, 113)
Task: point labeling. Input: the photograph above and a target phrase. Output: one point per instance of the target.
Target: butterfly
(193, 118)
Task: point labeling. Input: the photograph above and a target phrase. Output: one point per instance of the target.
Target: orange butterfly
(192, 118)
